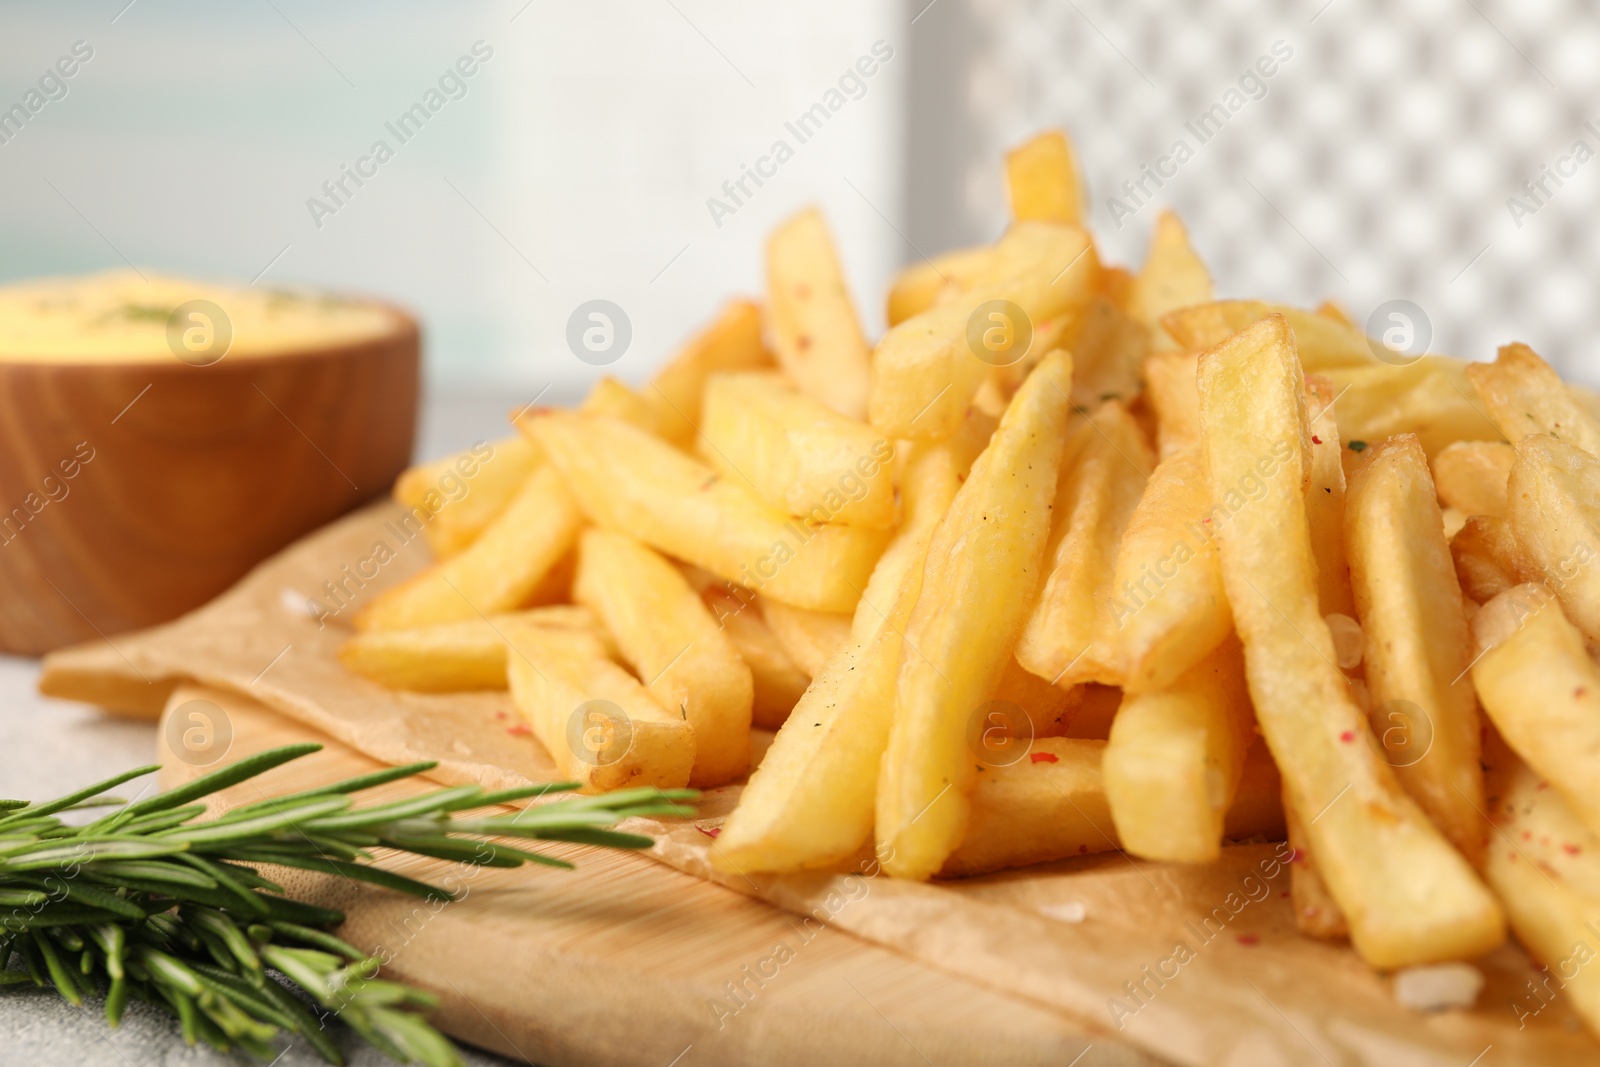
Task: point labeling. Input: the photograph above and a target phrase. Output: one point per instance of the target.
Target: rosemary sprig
(148, 903)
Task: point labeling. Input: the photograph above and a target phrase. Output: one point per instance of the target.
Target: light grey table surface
(49, 747)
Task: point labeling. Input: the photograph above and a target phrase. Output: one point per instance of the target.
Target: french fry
(1170, 385)
(777, 680)
(1408, 896)
(497, 573)
(794, 453)
(810, 803)
(1172, 277)
(1553, 498)
(1325, 501)
(1169, 607)
(1486, 557)
(810, 637)
(1525, 396)
(1471, 476)
(630, 482)
(1316, 913)
(1418, 647)
(1336, 313)
(925, 372)
(1175, 759)
(668, 636)
(618, 400)
(1043, 179)
(981, 576)
(1545, 866)
(600, 726)
(1051, 805)
(1322, 341)
(453, 656)
(1542, 691)
(455, 498)
(819, 339)
(1108, 347)
(1430, 398)
(730, 342)
(922, 285)
(1070, 635)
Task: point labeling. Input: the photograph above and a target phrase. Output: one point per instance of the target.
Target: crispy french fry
(1525, 396)
(1545, 866)
(794, 453)
(1430, 398)
(730, 342)
(810, 637)
(600, 726)
(1169, 607)
(1418, 647)
(1070, 635)
(925, 372)
(1316, 913)
(1542, 691)
(1471, 476)
(922, 285)
(982, 574)
(1169, 379)
(618, 400)
(455, 498)
(777, 679)
(1325, 501)
(1051, 805)
(630, 482)
(1486, 557)
(1172, 277)
(1044, 182)
(497, 573)
(452, 656)
(668, 636)
(819, 339)
(810, 803)
(1175, 759)
(1108, 347)
(1322, 341)
(1408, 896)
(1553, 498)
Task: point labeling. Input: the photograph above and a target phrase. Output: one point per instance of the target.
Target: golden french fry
(810, 637)
(1542, 691)
(1108, 347)
(1525, 396)
(1044, 182)
(1471, 476)
(630, 482)
(618, 400)
(1417, 645)
(1430, 398)
(453, 656)
(499, 571)
(810, 803)
(922, 285)
(981, 576)
(777, 679)
(453, 499)
(668, 636)
(1175, 759)
(1545, 866)
(1169, 608)
(1325, 501)
(819, 339)
(1051, 804)
(1316, 913)
(1408, 896)
(1172, 277)
(1322, 341)
(600, 726)
(1553, 498)
(1486, 557)
(731, 342)
(926, 370)
(794, 453)
(1070, 635)
(1169, 379)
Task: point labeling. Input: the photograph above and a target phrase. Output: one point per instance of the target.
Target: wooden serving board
(637, 959)
(621, 961)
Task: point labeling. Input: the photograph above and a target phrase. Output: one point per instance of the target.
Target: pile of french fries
(1074, 558)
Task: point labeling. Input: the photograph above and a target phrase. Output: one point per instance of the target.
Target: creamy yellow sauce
(119, 317)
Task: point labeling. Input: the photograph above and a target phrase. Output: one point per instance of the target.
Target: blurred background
(1441, 155)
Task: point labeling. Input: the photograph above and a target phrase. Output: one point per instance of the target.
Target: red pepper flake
(1295, 855)
(1543, 786)
(1205, 520)
(1083, 849)
(1284, 893)
(711, 833)
(1315, 439)
(1348, 736)
(1527, 835)
(1043, 757)
(520, 729)
(499, 714)
(1571, 850)
(1580, 692)
(1249, 939)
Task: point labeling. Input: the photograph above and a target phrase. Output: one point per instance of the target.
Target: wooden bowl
(134, 491)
